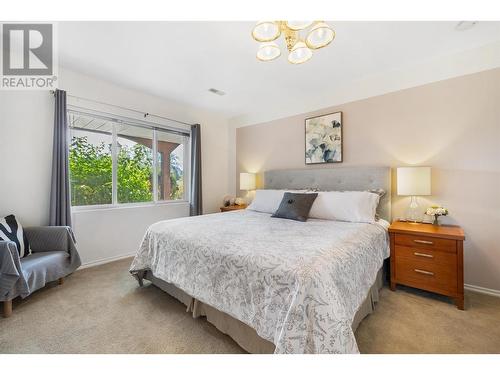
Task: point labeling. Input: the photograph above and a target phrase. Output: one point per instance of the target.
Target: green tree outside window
(91, 173)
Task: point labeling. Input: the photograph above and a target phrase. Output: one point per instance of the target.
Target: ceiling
(182, 60)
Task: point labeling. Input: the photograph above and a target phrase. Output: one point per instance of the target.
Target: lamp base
(414, 213)
(247, 198)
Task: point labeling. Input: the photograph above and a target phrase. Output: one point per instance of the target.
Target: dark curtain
(60, 201)
(196, 196)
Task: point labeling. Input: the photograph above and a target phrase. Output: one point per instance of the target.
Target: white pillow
(269, 200)
(353, 206)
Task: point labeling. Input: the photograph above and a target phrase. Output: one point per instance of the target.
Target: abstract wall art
(324, 139)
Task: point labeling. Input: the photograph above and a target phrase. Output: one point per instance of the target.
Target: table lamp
(414, 181)
(247, 181)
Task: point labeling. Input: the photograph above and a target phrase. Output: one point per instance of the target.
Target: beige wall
(452, 126)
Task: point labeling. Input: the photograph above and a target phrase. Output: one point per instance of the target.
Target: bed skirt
(244, 335)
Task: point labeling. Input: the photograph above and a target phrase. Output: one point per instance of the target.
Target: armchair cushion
(41, 268)
(12, 230)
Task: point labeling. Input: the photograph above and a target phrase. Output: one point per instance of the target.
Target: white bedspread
(298, 284)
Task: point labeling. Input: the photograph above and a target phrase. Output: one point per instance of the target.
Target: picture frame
(324, 139)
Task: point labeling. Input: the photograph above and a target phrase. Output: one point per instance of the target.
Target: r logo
(27, 50)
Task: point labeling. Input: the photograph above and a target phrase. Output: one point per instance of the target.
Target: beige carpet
(102, 310)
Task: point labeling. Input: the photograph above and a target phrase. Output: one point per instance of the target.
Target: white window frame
(155, 128)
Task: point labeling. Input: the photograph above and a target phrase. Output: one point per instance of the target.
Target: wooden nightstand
(428, 257)
(233, 207)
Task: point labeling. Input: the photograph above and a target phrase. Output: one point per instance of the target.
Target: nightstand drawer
(426, 255)
(425, 275)
(424, 242)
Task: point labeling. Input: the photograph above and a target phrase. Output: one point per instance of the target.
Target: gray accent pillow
(295, 206)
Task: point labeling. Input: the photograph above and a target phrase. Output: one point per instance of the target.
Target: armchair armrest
(49, 238)
(12, 282)
(9, 257)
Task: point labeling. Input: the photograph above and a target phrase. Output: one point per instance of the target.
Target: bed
(276, 285)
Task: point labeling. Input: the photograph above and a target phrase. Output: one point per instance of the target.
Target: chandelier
(299, 49)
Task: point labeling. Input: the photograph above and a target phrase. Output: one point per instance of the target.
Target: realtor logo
(28, 56)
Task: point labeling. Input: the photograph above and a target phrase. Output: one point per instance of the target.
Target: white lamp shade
(414, 181)
(247, 181)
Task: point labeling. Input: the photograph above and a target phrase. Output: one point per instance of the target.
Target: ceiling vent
(217, 92)
(465, 25)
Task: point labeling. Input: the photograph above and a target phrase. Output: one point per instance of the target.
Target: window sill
(125, 206)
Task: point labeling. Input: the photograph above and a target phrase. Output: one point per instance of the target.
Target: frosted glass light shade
(268, 51)
(266, 31)
(320, 36)
(247, 181)
(299, 54)
(298, 25)
(414, 181)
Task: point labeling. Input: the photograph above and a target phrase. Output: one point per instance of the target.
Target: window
(90, 161)
(170, 161)
(134, 176)
(111, 161)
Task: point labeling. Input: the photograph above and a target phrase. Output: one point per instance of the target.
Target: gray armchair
(54, 256)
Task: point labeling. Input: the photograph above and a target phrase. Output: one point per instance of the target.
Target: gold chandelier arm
(291, 37)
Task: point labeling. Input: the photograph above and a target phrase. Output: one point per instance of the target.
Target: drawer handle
(424, 242)
(424, 272)
(424, 255)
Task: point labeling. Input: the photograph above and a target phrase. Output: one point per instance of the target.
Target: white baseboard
(105, 260)
(480, 289)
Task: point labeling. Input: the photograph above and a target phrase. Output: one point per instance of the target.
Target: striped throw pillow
(12, 230)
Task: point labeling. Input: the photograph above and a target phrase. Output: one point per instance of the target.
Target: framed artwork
(324, 139)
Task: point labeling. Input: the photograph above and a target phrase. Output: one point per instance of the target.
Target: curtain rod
(136, 122)
(145, 114)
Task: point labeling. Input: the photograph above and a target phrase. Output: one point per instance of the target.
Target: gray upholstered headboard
(338, 178)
